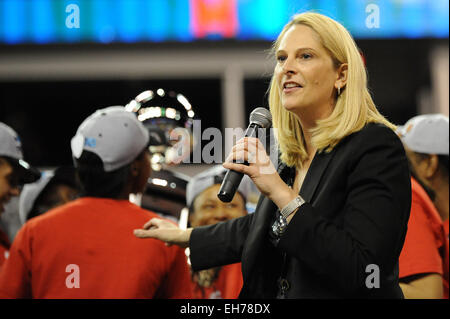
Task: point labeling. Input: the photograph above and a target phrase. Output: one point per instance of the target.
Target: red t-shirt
(446, 266)
(425, 249)
(446, 229)
(228, 284)
(4, 248)
(86, 249)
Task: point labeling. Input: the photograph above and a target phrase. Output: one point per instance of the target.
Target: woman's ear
(341, 80)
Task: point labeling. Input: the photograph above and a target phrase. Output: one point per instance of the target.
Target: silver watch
(292, 206)
(280, 224)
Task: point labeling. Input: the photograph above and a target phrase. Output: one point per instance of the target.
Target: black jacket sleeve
(219, 244)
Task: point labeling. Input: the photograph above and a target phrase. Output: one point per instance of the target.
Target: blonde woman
(331, 220)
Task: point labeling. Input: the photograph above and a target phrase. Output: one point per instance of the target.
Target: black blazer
(358, 199)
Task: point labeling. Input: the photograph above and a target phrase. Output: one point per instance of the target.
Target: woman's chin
(290, 107)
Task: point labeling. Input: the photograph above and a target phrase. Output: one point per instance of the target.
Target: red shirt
(446, 229)
(425, 249)
(87, 249)
(4, 248)
(446, 266)
(228, 284)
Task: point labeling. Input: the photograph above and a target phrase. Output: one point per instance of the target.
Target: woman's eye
(281, 58)
(306, 56)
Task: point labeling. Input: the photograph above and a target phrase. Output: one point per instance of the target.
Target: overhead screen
(128, 21)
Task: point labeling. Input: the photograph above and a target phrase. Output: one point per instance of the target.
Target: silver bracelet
(280, 224)
(292, 206)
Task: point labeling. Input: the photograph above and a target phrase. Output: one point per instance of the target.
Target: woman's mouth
(290, 86)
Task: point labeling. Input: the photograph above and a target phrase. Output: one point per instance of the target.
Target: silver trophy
(168, 116)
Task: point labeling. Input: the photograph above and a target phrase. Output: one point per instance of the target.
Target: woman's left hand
(260, 169)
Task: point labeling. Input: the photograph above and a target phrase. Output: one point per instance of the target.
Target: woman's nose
(288, 66)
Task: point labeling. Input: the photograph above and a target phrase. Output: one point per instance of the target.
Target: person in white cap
(426, 140)
(85, 248)
(424, 260)
(205, 208)
(53, 189)
(14, 173)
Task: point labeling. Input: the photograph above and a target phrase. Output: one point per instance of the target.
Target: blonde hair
(354, 107)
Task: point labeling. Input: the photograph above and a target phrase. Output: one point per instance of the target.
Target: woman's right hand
(165, 231)
(260, 169)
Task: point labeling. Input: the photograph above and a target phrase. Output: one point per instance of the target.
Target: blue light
(261, 19)
(390, 20)
(42, 21)
(437, 19)
(330, 8)
(180, 21)
(105, 21)
(355, 17)
(13, 21)
(157, 18)
(272, 18)
(412, 19)
(129, 20)
(103, 27)
(246, 24)
(296, 7)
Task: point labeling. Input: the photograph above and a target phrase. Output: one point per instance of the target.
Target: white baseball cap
(426, 134)
(212, 176)
(11, 148)
(113, 134)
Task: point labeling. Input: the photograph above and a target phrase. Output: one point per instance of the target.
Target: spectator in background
(14, 172)
(424, 259)
(53, 189)
(85, 249)
(205, 208)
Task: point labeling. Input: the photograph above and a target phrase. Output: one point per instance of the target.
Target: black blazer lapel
(315, 172)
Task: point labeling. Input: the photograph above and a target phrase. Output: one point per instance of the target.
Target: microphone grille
(262, 117)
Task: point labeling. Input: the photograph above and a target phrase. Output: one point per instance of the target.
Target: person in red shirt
(14, 172)
(4, 247)
(205, 208)
(426, 141)
(85, 248)
(424, 258)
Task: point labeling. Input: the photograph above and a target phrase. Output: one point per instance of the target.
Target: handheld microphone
(259, 118)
